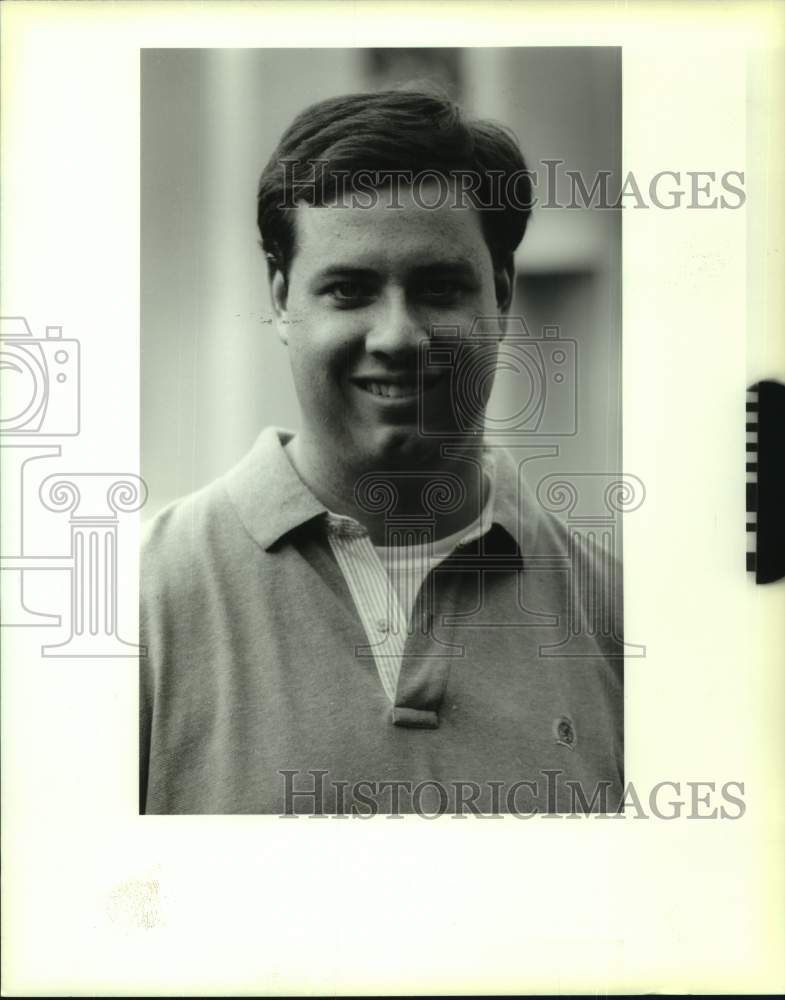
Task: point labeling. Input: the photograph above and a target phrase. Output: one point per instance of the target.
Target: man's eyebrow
(342, 270)
(452, 266)
(449, 265)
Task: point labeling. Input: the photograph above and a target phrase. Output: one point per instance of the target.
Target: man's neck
(442, 496)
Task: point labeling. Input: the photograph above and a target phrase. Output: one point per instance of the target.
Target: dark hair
(393, 130)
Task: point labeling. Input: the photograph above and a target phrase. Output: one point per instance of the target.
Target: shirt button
(382, 625)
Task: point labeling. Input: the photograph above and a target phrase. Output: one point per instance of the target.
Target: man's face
(366, 287)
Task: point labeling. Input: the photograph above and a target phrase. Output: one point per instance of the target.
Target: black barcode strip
(752, 478)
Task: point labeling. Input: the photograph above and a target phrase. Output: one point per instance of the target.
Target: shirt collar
(267, 493)
(516, 507)
(272, 500)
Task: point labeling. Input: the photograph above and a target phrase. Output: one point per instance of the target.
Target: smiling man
(365, 287)
(365, 615)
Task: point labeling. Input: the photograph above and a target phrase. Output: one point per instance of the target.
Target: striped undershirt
(384, 580)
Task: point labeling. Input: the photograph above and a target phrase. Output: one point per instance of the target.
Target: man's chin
(399, 449)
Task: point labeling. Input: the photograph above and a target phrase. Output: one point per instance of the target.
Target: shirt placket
(427, 657)
(374, 596)
(411, 661)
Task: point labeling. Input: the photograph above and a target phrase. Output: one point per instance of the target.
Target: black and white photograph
(390, 445)
(384, 367)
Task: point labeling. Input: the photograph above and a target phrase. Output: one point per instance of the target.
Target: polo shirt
(260, 692)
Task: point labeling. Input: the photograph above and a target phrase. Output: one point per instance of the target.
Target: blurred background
(213, 371)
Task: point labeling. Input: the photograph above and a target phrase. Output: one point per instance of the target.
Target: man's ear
(504, 280)
(278, 296)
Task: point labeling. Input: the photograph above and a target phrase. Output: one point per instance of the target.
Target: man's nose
(399, 328)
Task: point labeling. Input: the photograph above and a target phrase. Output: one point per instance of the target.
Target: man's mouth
(395, 388)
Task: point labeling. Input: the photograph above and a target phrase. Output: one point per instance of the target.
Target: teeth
(391, 390)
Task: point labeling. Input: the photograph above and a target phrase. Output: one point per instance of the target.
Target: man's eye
(348, 292)
(441, 288)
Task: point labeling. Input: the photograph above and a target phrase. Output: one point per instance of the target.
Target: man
(355, 618)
